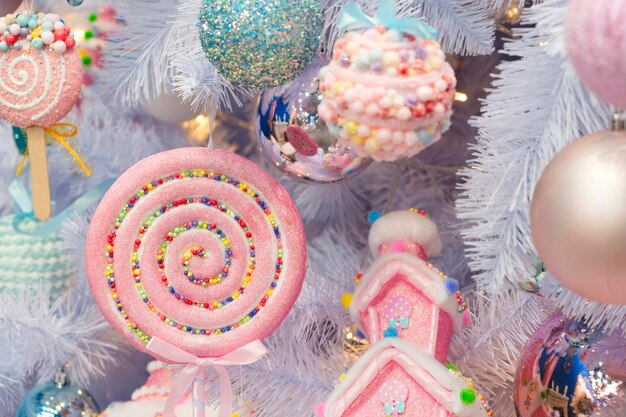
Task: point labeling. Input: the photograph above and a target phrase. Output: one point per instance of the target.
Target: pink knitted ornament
(596, 42)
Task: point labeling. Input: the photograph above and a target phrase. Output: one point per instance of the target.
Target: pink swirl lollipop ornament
(195, 256)
(41, 76)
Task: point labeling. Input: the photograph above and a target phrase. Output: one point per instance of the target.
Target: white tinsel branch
(136, 57)
(487, 352)
(537, 106)
(41, 336)
(195, 79)
(306, 355)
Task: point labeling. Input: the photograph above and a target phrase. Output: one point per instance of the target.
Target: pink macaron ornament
(41, 76)
(196, 255)
(388, 91)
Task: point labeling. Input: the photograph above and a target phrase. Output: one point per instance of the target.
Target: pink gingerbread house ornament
(395, 378)
(402, 294)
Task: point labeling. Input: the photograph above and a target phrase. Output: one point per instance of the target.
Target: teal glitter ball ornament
(260, 44)
(58, 399)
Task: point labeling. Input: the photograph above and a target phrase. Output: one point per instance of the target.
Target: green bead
(93, 17)
(468, 396)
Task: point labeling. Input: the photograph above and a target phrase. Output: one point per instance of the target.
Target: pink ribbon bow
(194, 373)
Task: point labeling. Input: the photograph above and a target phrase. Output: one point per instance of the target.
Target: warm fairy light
(79, 35)
(512, 13)
(198, 129)
(460, 96)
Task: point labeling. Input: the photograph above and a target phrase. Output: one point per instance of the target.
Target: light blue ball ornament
(58, 399)
(260, 44)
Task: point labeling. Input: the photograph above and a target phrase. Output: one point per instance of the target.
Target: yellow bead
(358, 140)
(352, 127)
(346, 300)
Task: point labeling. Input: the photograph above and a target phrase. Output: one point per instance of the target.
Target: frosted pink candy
(38, 87)
(596, 42)
(250, 179)
(397, 307)
(393, 391)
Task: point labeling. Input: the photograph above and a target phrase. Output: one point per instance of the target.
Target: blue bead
(37, 43)
(390, 332)
(373, 215)
(452, 285)
(22, 20)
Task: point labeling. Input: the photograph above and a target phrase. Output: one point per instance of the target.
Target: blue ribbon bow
(353, 18)
(24, 208)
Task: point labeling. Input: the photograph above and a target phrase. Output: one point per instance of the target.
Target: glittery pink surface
(38, 87)
(595, 34)
(419, 402)
(420, 331)
(168, 163)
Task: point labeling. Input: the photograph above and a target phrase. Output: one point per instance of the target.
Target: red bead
(10, 39)
(60, 35)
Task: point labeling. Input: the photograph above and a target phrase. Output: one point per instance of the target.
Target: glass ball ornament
(292, 136)
(578, 219)
(75, 3)
(260, 44)
(58, 399)
(568, 369)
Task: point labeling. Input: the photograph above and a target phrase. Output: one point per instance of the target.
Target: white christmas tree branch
(537, 106)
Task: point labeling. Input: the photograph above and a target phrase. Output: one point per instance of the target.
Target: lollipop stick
(40, 182)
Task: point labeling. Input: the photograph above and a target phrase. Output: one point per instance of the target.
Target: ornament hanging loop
(60, 377)
(618, 121)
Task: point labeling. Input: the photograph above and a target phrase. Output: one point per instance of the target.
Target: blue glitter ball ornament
(260, 44)
(58, 399)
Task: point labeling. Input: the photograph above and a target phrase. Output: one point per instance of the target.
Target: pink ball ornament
(596, 41)
(578, 218)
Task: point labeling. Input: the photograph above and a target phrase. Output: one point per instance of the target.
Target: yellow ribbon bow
(60, 132)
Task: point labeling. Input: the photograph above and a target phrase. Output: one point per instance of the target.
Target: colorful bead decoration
(40, 70)
(388, 95)
(160, 255)
(193, 255)
(37, 31)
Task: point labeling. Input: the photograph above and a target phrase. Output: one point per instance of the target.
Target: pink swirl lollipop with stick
(41, 76)
(196, 255)
(200, 248)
